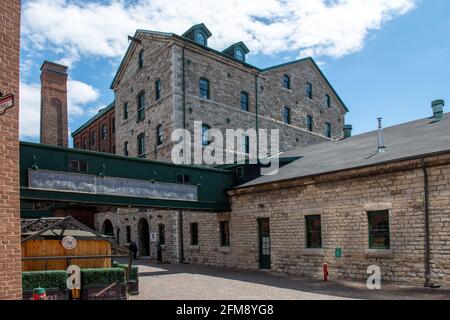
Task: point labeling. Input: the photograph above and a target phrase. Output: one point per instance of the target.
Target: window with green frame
(313, 231)
(379, 229)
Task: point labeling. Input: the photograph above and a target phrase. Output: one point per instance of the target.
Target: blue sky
(384, 58)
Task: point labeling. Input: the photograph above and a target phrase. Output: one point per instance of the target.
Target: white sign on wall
(69, 243)
(153, 236)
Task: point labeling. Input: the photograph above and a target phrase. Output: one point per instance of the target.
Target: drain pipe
(427, 258)
(180, 226)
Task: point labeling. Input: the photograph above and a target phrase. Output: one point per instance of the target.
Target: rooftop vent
(438, 109)
(381, 147)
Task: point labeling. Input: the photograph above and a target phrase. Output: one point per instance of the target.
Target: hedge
(134, 270)
(52, 279)
(102, 276)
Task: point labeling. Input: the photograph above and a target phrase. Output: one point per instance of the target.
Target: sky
(385, 58)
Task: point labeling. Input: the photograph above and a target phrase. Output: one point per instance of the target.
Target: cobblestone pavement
(193, 282)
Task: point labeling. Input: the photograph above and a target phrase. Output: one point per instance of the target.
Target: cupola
(198, 33)
(237, 51)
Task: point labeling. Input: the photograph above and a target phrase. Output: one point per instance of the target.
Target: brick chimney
(54, 104)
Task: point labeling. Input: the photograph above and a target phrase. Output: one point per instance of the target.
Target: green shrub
(102, 276)
(51, 279)
(134, 270)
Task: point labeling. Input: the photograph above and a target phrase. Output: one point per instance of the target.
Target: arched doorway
(107, 228)
(144, 238)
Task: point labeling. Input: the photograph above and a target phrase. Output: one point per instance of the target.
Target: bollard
(325, 272)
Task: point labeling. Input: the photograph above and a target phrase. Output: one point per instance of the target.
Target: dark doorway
(144, 238)
(264, 243)
(107, 228)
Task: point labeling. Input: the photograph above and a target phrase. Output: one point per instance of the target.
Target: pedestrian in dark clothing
(159, 252)
(133, 248)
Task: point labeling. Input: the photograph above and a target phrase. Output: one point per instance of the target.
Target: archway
(144, 238)
(107, 228)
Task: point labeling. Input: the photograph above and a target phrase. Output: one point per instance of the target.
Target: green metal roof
(91, 120)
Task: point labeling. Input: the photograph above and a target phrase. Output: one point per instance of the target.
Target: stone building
(10, 255)
(166, 81)
(351, 203)
(99, 133)
(54, 104)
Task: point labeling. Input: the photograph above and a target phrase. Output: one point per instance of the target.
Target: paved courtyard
(193, 282)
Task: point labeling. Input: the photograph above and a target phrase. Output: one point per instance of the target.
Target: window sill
(379, 253)
(225, 249)
(319, 252)
(194, 248)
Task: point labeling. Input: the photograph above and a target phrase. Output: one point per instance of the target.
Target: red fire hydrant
(39, 294)
(325, 272)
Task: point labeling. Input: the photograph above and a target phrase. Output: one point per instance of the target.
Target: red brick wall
(10, 263)
(101, 145)
(54, 104)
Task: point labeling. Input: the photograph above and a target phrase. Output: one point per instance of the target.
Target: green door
(264, 243)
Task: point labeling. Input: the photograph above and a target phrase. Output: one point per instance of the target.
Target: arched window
(287, 115)
(309, 123)
(159, 135)
(141, 145)
(204, 88)
(246, 144)
(104, 132)
(107, 228)
(239, 55)
(286, 81)
(205, 135)
(244, 101)
(126, 148)
(200, 39)
(93, 138)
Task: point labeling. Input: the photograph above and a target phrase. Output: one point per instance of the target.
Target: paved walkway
(185, 281)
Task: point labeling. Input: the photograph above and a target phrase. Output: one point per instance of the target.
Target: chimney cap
(438, 102)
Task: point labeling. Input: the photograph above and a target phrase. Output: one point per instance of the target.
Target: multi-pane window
(125, 111)
(194, 233)
(309, 90)
(244, 101)
(205, 135)
(204, 88)
(159, 135)
(287, 115)
(141, 145)
(183, 178)
(224, 233)
(313, 231)
(246, 144)
(200, 39)
(162, 234)
(309, 123)
(379, 229)
(79, 166)
(141, 59)
(328, 129)
(286, 81)
(128, 234)
(328, 100)
(126, 148)
(93, 138)
(157, 89)
(239, 55)
(141, 107)
(104, 132)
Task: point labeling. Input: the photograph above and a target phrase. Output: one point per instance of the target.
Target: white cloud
(313, 27)
(79, 94)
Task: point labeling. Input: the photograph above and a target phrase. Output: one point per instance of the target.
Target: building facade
(167, 82)
(99, 133)
(10, 250)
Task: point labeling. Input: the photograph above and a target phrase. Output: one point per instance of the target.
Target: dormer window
(239, 55)
(200, 39)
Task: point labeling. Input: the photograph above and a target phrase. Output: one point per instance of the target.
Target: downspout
(184, 86)
(180, 225)
(427, 258)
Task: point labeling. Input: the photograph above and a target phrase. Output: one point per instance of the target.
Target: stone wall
(10, 251)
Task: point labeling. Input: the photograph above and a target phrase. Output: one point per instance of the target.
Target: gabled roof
(316, 66)
(409, 140)
(237, 44)
(198, 26)
(99, 114)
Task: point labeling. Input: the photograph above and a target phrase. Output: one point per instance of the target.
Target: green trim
(116, 156)
(91, 120)
(195, 27)
(370, 214)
